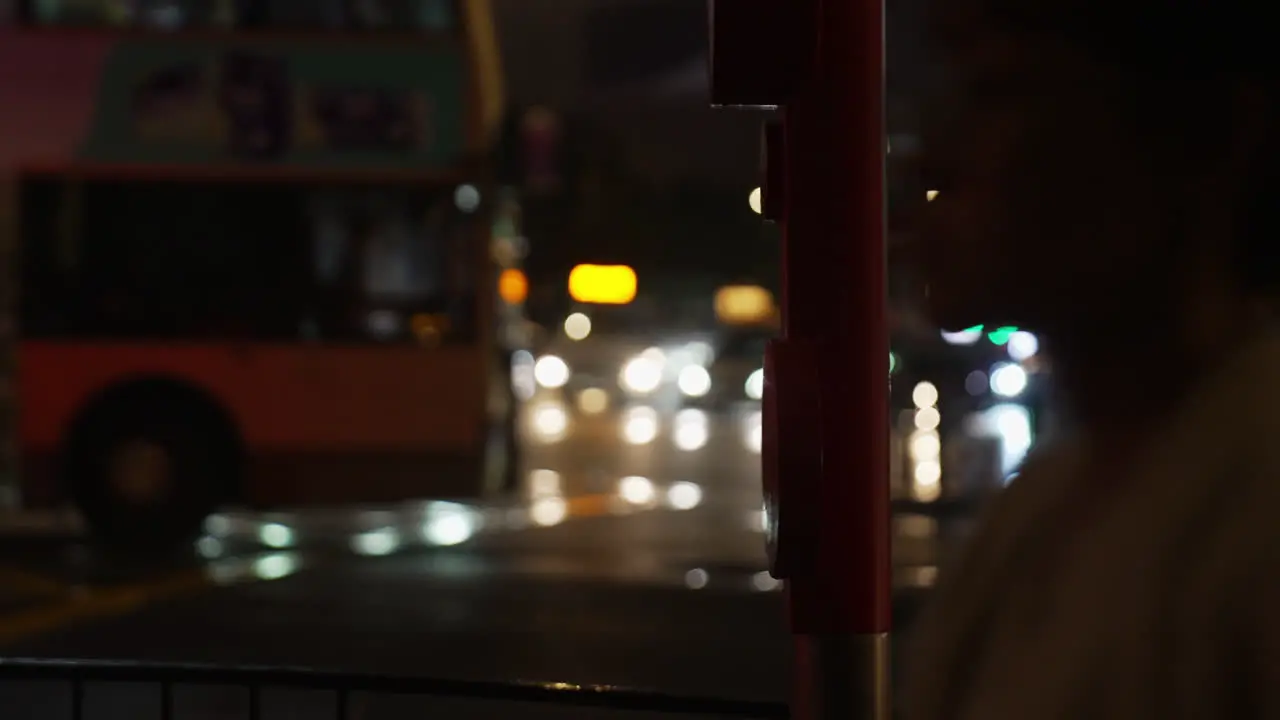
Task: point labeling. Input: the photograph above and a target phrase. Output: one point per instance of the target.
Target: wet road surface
(639, 565)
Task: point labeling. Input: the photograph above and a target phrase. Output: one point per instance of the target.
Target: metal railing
(343, 688)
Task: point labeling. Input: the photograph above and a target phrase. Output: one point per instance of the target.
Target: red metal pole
(825, 457)
(834, 320)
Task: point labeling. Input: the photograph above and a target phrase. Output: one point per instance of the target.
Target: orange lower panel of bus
(317, 424)
(310, 479)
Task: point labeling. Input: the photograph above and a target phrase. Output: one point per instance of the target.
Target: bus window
(159, 14)
(432, 16)
(270, 262)
(428, 15)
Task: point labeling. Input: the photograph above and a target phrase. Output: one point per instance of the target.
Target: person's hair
(1183, 50)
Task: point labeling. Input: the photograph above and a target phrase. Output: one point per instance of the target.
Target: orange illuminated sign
(602, 284)
(513, 286)
(744, 304)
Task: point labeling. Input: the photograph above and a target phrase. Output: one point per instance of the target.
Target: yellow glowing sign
(743, 304)
(602, 284)
(513, 286)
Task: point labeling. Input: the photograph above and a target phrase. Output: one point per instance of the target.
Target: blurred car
(609, 357)
(736, 374)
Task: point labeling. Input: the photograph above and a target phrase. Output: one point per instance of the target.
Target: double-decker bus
(257, 247)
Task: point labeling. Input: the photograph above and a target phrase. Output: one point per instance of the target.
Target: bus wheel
(146, 475)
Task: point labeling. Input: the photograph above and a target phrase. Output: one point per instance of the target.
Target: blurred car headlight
(642, 375)
(549, 422)
(754, 387)
(637, 490)
(577, 326)
(1012, 424)
(551, 372)
(684, 495)
(593, 401)
(1022, 345)
(549, 511)
(691, 429)
(694, 381)
(640, 426)
(1008, 380)
(447, 524)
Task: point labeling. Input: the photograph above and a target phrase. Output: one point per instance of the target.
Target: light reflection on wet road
(633, 557)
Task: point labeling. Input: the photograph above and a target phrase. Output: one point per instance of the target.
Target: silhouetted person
(1107, 173)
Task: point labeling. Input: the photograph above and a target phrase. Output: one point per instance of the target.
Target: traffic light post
(826, 395)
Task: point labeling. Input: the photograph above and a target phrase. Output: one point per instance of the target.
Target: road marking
(29, 583)
(99, 604)
(593, 505)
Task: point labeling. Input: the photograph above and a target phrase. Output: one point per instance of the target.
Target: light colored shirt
(1152, 594)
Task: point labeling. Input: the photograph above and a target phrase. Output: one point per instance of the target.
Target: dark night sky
(637, 69)
(565, 52)
(569, 54)
(548, 47)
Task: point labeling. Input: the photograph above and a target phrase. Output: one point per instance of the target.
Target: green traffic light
(1001, 335)
(893, 362)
